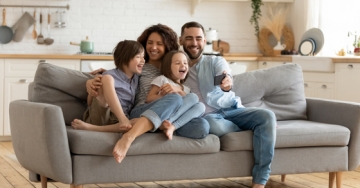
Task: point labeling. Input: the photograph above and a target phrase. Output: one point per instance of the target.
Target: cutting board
(221, 46)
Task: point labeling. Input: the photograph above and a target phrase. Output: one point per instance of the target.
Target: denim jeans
(262, 122)
(163, 108)
(159, 110)
(191, 108)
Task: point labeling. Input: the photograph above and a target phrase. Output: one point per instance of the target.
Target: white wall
(107, 22)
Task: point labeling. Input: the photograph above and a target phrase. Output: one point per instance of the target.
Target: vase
(278, 48)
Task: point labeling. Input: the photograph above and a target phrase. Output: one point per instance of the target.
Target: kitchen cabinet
(269, 64)
(319, 85)
(18, 73)
(347, 76)
(238, 67)
(1, 96)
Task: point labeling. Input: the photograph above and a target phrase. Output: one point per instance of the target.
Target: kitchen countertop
(228, 57)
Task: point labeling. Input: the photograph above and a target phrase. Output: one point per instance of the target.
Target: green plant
(256, 6)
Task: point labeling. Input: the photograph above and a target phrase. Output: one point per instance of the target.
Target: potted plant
(256, 6)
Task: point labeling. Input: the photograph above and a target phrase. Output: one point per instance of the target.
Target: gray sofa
(313, 135)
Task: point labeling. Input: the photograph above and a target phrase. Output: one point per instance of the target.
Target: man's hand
(226, 83)
(93, 85)
(98, 71)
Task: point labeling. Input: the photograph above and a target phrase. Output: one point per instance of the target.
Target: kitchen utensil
(316, 35)
(221, 46)
(34, 33)
(85, 45)
(306, 47)
(49, 40)
(6, 33)
(40, 39)
(22, 26)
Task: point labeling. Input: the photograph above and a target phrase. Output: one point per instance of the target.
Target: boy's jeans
(262, 122)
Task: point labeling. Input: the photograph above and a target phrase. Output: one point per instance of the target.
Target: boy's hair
(169, 38)
(165, 68)
(125, 51)
(191, 24)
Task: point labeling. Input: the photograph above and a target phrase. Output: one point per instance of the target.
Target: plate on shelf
(317, 35)
(307, 47)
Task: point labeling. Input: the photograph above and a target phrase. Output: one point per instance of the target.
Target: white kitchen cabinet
(17, 74)
(347, 83)
(319, 85)
(1, 96)
(269, 64)
(238, 67)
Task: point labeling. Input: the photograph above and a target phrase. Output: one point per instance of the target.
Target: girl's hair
(165, 68)
(169, 38)
(125, 51)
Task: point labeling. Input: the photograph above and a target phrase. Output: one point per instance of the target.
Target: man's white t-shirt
(161, 80)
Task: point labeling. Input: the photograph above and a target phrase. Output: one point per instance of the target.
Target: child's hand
(168, 88)
(92, 85)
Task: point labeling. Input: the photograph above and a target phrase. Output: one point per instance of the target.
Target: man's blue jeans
(262, 122)
(163, 108)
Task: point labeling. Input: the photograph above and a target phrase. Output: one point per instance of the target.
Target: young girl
(117, 92)
(174, 69)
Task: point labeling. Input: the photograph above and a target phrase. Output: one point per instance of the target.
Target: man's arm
(222, 67)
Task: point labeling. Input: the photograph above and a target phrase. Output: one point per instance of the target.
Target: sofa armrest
(341, 113)
(40, 140)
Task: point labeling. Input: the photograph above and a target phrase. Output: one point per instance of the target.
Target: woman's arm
(153, 94)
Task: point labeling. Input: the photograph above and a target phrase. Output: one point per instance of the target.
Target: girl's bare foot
(124, 127)
(121, 147)
(169, 129)
(78, 124)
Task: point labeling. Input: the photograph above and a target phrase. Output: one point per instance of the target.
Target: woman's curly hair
(169, 37)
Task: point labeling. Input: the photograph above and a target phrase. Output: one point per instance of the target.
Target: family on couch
(158, 102)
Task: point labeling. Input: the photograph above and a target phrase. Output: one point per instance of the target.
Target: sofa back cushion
(280, 89)
(62, 87)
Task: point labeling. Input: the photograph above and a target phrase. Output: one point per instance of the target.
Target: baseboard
(5, 138)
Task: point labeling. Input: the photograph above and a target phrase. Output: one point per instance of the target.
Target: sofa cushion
(101, 143)
(292, 134)
(280, 89)
(62, 87)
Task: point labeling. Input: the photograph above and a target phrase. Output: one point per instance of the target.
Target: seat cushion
(100, 143)
(280, 89)
(292, 134)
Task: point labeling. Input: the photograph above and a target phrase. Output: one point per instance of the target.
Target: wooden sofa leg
(331, 179)
(76, 186)
(338, 179)
(43, 181)
(283, 177)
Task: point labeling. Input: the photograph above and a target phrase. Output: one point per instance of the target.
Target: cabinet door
(324, 90)
(309, 89)
(347, 81)
(16, 88)
(269, 64)
(238, 67)
(1, 97)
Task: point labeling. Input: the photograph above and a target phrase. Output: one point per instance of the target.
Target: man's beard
(193, 56)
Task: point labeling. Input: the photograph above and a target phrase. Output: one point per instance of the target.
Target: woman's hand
(98, 71)
(168, 88)
(93, 85)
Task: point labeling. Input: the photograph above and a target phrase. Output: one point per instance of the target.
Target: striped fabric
(149, 73)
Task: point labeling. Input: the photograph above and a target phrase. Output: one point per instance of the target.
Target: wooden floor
(12, 174)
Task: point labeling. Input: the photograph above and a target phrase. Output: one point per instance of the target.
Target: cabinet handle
(350, 66)
(23, 80)
(232, 62)
(264, 63)
(42, 61)
(284, 62)
(323, 86)
(305, 85)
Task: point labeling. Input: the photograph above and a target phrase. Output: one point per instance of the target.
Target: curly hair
(169, 37)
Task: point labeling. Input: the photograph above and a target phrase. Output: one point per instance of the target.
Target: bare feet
(121, 147)
(123, 128)
(134, 120)
(168, 129)
(78, 124)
